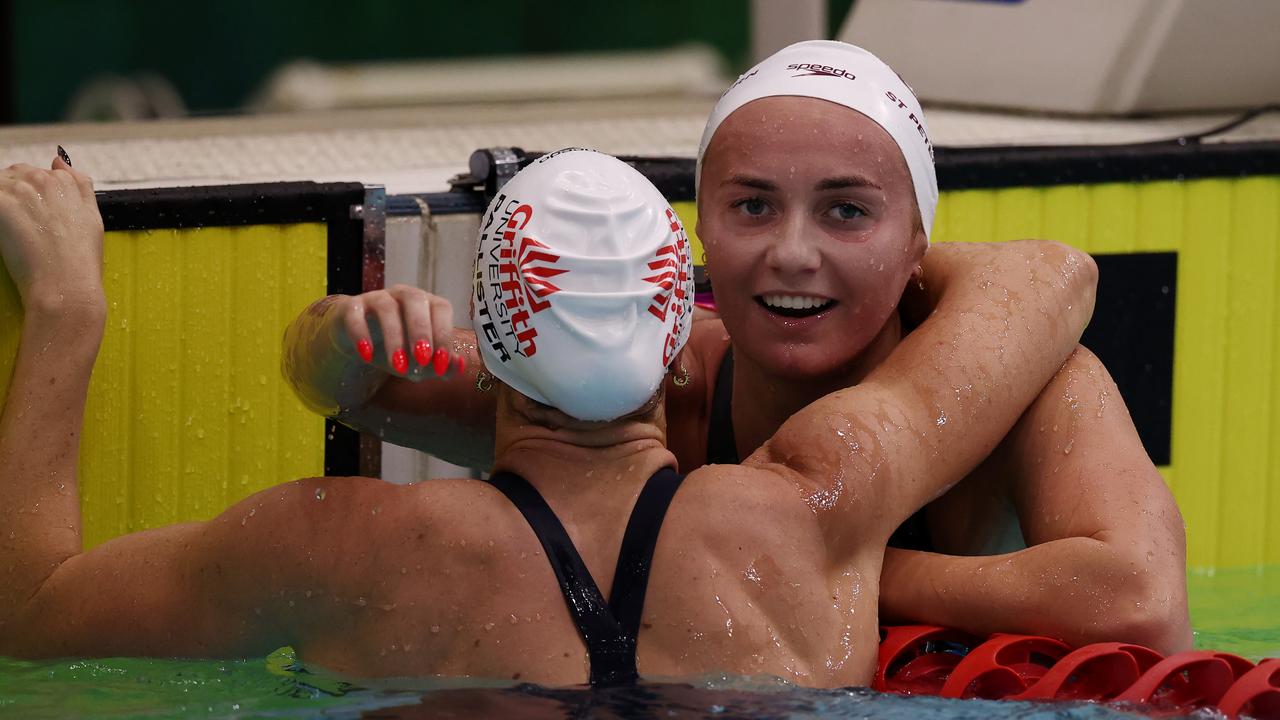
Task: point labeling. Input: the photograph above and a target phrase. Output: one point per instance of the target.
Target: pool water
(1236, 611)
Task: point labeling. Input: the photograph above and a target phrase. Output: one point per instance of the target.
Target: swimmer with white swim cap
(596, 321)
(586, 556)
(807, 173)
(816, 198)
(847, 75)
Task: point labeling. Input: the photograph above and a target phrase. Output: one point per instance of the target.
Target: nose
(794, 252)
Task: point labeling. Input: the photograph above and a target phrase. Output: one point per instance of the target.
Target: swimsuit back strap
(635, 557)
(612, 653)
(722, 446)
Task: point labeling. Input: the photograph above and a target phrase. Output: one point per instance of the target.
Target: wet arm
(40, 444)
(51, 241)
(46, 587)
(1107, 550)
(51, 248)
(446, 417)
(950, 390)
(241, 585)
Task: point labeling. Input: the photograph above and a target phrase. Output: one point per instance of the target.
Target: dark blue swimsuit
(609, 629)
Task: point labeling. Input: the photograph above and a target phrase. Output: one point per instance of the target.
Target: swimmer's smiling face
(808, 216)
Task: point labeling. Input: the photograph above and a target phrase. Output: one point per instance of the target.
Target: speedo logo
(809, 69)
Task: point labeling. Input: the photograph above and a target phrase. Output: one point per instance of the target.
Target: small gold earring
(484, 381)
(683, 378)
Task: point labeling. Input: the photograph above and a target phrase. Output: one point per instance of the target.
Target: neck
(762, 402)
(581, 459)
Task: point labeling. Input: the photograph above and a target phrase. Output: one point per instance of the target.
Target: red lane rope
(929, 660)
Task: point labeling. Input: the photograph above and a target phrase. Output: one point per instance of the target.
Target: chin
(805, 361)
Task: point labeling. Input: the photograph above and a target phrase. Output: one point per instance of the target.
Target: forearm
(1081, 590)
(949, 272)
(951, 389)
(954, 386)
(39, 445)
(988, 349)
(324, 378)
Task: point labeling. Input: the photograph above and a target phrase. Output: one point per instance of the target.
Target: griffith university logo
(517, 275)
(816, 69)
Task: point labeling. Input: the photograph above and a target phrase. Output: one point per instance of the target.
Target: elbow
(1151, 611)
(1075, 270)
(1074, 276)
(1080, 274)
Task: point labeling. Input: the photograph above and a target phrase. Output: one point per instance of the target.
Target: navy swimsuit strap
(722, 447)
(610, 630)
(631, 577)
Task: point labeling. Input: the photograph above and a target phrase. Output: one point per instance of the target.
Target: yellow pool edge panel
(187, 411)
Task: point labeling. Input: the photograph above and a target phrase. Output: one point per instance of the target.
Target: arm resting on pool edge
(51, 240)
(946, 395)
(446, 417)
(1107, 554)
(259, 576)
(51, 246)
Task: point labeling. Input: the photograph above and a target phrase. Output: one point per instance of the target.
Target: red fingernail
(400, 361)
(441, 361)
(462, 364)
(365, 348)
(422, 352)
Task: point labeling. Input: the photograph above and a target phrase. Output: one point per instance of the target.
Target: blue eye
(754, 206)
(845, 211)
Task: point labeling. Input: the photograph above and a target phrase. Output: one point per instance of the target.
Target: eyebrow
(832, 183)
(751, 182)
(846, 181)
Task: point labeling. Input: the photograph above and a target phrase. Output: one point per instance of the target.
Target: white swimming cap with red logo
(846, 75)
(583, 285)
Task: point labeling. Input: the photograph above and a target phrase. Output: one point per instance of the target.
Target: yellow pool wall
(188, 412)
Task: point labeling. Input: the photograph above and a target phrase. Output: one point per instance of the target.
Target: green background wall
(217, 53)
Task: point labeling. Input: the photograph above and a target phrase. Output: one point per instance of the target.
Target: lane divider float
(930, 660)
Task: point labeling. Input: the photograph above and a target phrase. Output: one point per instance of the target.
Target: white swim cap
(846, 75)
(583, 285)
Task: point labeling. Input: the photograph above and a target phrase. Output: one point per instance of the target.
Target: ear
(677, 372)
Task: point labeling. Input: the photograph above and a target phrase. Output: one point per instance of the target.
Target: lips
(794, 306)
